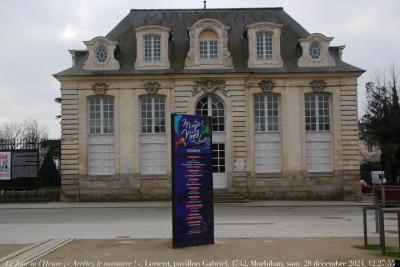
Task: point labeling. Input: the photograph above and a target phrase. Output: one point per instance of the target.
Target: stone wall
(69, 141)
(293, 182)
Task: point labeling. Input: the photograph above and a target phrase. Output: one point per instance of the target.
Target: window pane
(101, 115)
(152, 110)
(266, 113)
(264, 45)
(317, 112)
(152, 48)
(203, 50)
(218, 113)
(208, 49)
(218, 158)
(213, 49)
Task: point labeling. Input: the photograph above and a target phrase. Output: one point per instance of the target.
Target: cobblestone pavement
(32, 225)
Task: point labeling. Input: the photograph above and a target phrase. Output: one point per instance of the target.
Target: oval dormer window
(315, 50)
(101, 54)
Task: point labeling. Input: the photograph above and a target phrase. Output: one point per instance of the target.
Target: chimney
(341, 48)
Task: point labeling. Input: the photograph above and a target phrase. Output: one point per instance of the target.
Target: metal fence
(48, 165)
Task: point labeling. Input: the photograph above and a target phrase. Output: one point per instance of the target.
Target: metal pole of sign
(398, 228)
(382, 230)
(365, 226)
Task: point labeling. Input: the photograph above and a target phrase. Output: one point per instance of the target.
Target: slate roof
(178, 20)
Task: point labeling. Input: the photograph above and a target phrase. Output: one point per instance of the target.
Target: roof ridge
(209, 9)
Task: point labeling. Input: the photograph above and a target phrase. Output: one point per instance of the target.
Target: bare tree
(30, 130)
(10, 131)
(33, 131)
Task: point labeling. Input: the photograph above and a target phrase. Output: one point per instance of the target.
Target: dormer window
(152, 48)
(208, 46)
(264, 45)
(101, 54)
(208, 42)
(315, 51)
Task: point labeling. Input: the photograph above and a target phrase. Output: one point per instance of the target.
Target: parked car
(365, 188)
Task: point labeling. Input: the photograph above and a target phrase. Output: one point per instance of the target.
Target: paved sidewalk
(162, 204)
(225, 252)
(32, 225)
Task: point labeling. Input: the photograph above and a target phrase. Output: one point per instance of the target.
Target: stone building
(283, 102)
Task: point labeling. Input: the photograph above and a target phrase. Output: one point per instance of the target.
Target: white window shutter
(267, 151)
(319, 152)
(101, 155)
(153, 154)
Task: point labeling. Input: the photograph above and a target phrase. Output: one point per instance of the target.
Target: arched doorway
(211, 105)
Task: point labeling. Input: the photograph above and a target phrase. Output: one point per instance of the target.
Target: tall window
(101, 135)
(264, 45)
(208, 44)
(317, 112)
(152, 48)
(267, 146)
(101, 114)
(212, 106)
(318, 135)
(153, 114)
(153, 137)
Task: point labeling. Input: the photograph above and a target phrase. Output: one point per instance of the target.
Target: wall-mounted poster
(192, 184)
(5, 165)
(25, 163)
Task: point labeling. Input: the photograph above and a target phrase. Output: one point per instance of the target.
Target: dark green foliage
(382, 123)
(49, 170)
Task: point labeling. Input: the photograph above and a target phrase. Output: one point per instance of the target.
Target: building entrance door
(211, 105)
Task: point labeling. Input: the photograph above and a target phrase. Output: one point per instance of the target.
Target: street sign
(192, 186)
(19, 163)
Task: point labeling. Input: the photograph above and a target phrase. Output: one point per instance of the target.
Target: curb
(60, 205)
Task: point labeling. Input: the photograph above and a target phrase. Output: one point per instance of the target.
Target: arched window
(212, 106)
(208, 40)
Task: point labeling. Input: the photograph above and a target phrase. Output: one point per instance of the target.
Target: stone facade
(236, 90)
(292, 182)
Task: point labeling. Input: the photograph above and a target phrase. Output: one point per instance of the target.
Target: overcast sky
(35, 37)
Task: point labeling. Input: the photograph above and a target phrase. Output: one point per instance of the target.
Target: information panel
(5, 165)
(25, 163)
(192, 187)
